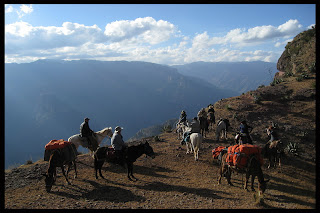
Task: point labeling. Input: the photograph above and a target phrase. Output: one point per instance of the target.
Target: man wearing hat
(118, 144)
(86, 132)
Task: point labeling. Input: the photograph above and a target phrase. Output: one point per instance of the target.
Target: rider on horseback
(244, 132)
(183, 118)
(86, 132)
(119, 145)
(195, 128)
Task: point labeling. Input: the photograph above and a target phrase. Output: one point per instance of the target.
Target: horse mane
(104, 130)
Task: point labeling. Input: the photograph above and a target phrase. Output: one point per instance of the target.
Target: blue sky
(158, 33)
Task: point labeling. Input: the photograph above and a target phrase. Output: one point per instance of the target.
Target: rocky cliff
(299, 55)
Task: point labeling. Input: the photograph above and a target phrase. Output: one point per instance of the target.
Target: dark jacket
(85, 130)
(244, 128)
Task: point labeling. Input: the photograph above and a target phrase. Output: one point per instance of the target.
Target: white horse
(99, 136)
(195, 142)
(222, 129)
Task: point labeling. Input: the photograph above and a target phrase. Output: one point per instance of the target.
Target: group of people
(244, 129)
(119, 145)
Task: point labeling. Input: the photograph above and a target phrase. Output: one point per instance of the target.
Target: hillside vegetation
(174, 180)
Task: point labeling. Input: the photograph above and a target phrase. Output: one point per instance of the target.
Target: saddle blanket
(56, 144)
(216, 151)
(238, 155)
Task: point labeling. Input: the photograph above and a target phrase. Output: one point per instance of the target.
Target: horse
(77, 140)
(222, 129)
(194, 144)
(59, 158)
(131, 154)
(253, 169)
(273, 149)
(204, 125)
(210, 119)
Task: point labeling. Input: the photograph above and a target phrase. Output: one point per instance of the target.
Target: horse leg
(221, 170)
(228, 176)
(75, 169)
(130, 171)
(64, 174)
(54, 176)
(246, 181)
(252, 182)
(99, 168)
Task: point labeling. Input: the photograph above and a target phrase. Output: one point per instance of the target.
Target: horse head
(148, 150)
(49, 180)
(105, 132)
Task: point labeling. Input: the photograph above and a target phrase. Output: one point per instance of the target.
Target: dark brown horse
(253, 169)
(204, 126)
(131, 154)
(59, 158)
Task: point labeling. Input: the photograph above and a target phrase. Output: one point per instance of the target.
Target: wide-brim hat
(118, 128)
(86, 119)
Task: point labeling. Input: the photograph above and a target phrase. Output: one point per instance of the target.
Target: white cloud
(24, 9)
(140, 30)
(144, 39)
(8, 9)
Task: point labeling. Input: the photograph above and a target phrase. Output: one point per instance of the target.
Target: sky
(168, 34)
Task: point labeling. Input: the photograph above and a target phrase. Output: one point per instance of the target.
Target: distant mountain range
(48, 99)
(239, 77)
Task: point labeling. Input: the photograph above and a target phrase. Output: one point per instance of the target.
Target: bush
(29, 162)
(292, 148)
(257, 99)
(312, 67)
(166, 128)
(228, 107)
(276, 81)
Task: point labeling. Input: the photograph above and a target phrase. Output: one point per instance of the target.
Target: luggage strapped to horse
(238, 155)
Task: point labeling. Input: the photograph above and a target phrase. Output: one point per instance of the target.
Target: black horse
(131, 154)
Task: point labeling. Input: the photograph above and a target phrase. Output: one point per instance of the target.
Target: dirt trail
(171, 180)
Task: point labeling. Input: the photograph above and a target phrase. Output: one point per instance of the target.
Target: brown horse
(253, 168)
(273, 149)
(59, 158)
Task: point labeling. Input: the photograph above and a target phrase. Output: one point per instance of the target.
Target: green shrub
(276, 81)
(166, 128)
(228, 107)
(312, 67)
(29, 162)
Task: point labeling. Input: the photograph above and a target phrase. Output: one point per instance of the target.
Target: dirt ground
(172, 180)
